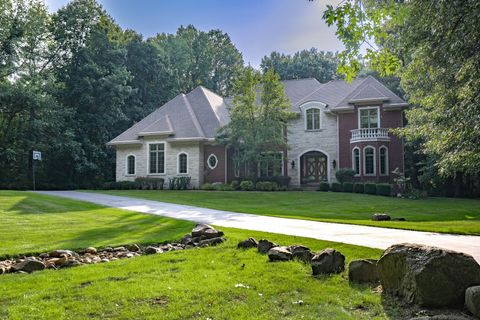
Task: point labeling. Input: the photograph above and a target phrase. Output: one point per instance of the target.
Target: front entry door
(314, 167)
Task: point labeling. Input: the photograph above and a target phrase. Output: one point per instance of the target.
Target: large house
(338, 125)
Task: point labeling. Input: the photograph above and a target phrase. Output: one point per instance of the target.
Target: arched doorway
(313, 167)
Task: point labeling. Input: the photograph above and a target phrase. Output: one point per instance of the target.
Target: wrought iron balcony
(370, 134)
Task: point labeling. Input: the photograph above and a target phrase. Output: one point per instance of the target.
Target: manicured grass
(190, 284)
(32, 222)
(447, 215)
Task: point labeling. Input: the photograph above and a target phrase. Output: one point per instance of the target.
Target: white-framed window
(369, 117)
(156, 158)
(130, 165)
(356, 161)
(236, 163)
(272, 166)
(383, 160)
(312, 119)
(369, 161)
(182, 163)
(212, 161)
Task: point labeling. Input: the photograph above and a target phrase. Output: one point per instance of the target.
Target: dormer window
(368, 117)
(312, 116)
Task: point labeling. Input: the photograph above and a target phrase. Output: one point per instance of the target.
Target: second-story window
(313, 119)
(368, 118)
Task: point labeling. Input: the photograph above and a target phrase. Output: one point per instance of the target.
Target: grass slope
(32, 222)
(447, 215)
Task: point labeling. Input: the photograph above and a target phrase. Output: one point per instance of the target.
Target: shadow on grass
(31, 203)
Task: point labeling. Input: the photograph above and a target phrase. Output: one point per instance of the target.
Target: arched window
(312, 120)
(212, 161)
(383, 155)
(369, 161)
(182, 163)
(356, 160)
(131, 164)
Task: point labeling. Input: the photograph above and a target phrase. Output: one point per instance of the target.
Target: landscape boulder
(29, 265)
(200, 230)
(363, 271)
(427, 276)
(381, 217)
(152, 250)
(211, 242)
(91, 250)
(301, 253)
(264, 246)
(472, 300)
(328, 261)
(279, 254)
(247, 244)
(61, 253)
(133, 247)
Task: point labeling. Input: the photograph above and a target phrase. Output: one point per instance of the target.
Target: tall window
(182, 163)
(157, 158)
(369, 118)
(272, 165)
(369, 160)
(356, 161)
(131, 164)
(313, 118)
(383, 154)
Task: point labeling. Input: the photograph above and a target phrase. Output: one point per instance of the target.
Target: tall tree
(311, 63)
(257, 128)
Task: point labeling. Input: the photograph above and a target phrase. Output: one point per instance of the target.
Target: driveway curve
(373, 237)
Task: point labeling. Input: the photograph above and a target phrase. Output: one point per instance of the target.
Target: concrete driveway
(352, 234)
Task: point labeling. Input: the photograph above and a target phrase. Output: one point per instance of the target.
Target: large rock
(212, 233)
(279, 254)
(61, 253)
(264, 246)
(247, 244)
(363, 271)
(472, 300)
(427, 276)
(152, 250)
(200, 230)
(301, 253)
(328, 261)
(211, 242)
(381, 217)
(29, 265)
(91, 250)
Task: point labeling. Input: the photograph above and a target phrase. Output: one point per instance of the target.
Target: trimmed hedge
(370, 188)
(280, 181)
(324, 186)
(145, 183)
(336, 187)
(208, 187)
(384, 189)
(247, 185)
(235, 185)
(348, 187)
(359, 188)
(266, 186)
(344, 175)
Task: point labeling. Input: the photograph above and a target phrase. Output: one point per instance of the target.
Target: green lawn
(448, 215)
(191, 284)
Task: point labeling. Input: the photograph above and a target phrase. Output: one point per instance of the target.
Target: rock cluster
(201, 236)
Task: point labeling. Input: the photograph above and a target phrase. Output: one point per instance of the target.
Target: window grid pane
(369, 161)
(157, 158)
(356, 161)
(130, 165)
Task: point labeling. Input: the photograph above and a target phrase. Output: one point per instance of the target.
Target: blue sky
(256, 27)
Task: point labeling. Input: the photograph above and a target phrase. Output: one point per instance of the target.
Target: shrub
(384, 189)
(281, 181)
(324, 186)
(222, 187)
(119, 185)
(179, 183)
(235, 185)
(370, 188)
(344, 175)
(208, 187)
(336, 187)
(145, 183)
(247, 185)
(266, 186)
(359, 188)
(347, 187)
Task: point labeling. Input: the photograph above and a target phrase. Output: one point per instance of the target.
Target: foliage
(257, 129)
(324, 186)
(359, 188)
(266, 186)
(208, 186)
(347, 186)
(148, 183)
(222, 187)
(303, 64)
(370, 188)
(247, 185)
(384, 189)
(283, 181)
(235, 185)
(400, 181)
(179, 183)
(344, 175)
(336, 187)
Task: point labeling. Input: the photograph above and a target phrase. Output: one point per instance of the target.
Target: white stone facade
(301, 140)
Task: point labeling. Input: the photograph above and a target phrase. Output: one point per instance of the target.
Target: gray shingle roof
(199, 114)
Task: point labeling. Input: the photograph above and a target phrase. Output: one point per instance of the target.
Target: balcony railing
(369, 134)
